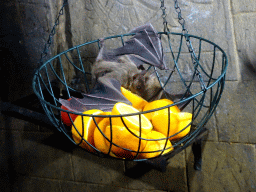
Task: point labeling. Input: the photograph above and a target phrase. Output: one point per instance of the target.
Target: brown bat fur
(130, 77)
(148, 86)
(140, 82)
(123, 70)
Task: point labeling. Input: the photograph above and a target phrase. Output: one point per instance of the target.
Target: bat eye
(138, 87)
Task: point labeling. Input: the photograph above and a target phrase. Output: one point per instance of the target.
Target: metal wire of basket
(205, 83)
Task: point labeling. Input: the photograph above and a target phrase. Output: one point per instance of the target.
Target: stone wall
(229, 24)
(31, 159)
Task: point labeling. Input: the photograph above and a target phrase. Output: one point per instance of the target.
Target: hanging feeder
(203, 83)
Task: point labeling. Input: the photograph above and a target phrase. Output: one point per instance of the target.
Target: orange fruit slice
(137, 101)
(65, 118)
(85, 127)
(178, 121)
(157, 104)
(123, 138)
(99, 139)
(156, 145)
(132, 122)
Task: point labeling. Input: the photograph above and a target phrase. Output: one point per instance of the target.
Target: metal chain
(52, 33)
(181, 21)
(163, 8)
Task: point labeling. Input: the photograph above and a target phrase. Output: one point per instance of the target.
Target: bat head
(145, 85)
(138, 85)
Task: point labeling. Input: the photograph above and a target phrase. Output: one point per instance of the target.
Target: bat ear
(99, 60)
(122, 59)
(135, 76)
(143, 72)
(146, 78)
(141, 67)
(100, 56)
(102, 50)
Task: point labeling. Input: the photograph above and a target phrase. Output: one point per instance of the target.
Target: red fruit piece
(65, 118)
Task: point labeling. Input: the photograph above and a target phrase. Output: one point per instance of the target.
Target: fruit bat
(125, 65)
(105, 94)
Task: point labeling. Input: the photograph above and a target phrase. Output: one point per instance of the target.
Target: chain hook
(52, 33)
(181, 21)
(163, 8)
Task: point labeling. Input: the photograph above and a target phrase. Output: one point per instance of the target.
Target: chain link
(52, 33)
(181, 21)
(163, 8)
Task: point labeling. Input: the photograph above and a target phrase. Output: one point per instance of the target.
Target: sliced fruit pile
(123, 134)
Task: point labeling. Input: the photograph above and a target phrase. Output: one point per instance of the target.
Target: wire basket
(204, 81)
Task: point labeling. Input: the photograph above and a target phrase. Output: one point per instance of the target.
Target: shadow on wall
(41, 156)
(90, 168)
(248, 65)
(16, 66)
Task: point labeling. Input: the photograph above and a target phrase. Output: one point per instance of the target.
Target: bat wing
(151, 51)
(148, 26)
(105, 94)
(144, 47)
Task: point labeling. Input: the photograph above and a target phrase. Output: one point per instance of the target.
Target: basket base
(139, 168)
(197, 151)
(134, 171)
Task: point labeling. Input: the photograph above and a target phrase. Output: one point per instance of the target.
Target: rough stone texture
(25, 27)
(78, 186)
(236, 113)
(214, 18)
(245, 31)
(173, 179)
(30, 184)
(109, 172)
(223, 168)
(110, 18)
(10, 149)
(113, 17)
(102, 19)
(63, 44)
(34, 161)
(244, 6)
(186, 68)
(47, 129)
(11, 123)
(43, 156)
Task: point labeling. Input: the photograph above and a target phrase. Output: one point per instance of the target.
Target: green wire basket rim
(36, 75)
(131, 34)
(122, 115)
